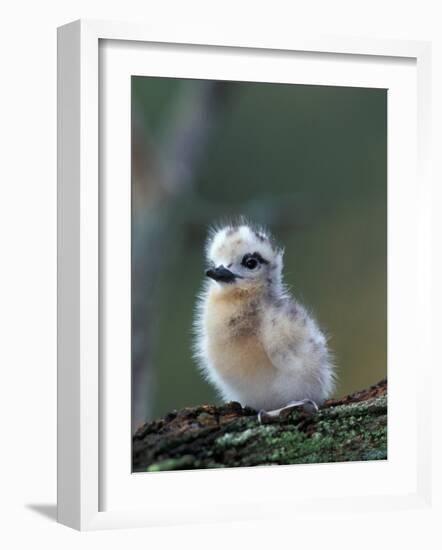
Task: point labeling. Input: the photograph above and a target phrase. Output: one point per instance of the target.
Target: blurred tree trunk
(352, 428)
(161, 176)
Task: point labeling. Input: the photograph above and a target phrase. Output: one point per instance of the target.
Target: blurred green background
(310, 163)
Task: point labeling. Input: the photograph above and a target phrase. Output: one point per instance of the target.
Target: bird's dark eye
(249, 262)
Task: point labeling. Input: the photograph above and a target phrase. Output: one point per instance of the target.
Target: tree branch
(352, 428)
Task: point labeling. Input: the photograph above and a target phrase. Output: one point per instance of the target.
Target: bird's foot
(265, 417)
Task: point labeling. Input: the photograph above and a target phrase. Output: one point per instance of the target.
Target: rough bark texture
(352, 428)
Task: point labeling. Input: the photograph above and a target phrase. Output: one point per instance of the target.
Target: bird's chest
(234, 342)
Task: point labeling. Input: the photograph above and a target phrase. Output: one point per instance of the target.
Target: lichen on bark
(349, 429)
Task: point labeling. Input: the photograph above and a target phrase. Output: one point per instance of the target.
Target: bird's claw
(265, 417)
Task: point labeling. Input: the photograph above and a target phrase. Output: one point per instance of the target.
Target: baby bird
(254, 342)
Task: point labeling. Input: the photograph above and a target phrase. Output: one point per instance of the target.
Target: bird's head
(242, 257)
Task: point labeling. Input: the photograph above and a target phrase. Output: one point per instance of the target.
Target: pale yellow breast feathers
(235, 349)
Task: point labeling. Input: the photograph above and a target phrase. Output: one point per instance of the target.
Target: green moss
(181, 463)
(348, 432)
(237, 439)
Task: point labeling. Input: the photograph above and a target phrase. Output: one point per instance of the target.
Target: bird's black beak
(221, 274)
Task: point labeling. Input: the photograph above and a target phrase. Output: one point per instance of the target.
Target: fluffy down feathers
(255, 342)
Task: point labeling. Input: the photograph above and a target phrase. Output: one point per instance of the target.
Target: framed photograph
(242, 254)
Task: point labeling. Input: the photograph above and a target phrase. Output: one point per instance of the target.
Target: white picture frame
(83, 448)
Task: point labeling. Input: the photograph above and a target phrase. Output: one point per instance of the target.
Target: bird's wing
(291, 336)
(298, 349)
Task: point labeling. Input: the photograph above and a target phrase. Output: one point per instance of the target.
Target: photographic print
(259, 274)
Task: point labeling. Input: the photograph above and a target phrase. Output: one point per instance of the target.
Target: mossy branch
(352, 428)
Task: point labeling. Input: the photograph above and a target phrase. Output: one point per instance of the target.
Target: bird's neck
(237, 295)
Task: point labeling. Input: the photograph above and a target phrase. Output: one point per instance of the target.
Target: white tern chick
(255, 342)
